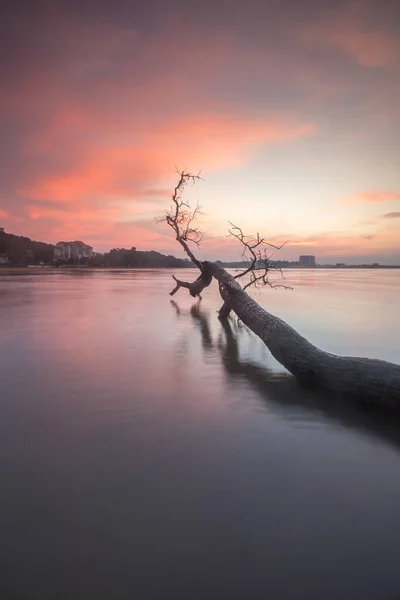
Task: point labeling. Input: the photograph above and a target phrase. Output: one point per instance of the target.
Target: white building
(67, 250)
(4, 259)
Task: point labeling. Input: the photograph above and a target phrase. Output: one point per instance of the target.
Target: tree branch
(181, 218)
(255, 251)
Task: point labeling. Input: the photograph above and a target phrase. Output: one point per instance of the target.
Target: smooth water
(146, 449)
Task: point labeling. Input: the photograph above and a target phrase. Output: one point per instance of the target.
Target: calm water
(146, 449)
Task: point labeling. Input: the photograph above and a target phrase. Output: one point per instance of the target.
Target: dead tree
(371, 380)
(182, 219)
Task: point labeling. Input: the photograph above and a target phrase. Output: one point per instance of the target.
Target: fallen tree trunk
(372, 380)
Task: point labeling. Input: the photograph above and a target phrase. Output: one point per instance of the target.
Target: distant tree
(21, 250)
(43, 253)
(16, 256)
(97, 260)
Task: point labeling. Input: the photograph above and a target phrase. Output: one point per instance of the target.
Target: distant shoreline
(40, 270)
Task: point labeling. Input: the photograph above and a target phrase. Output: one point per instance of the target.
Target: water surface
(147, 449)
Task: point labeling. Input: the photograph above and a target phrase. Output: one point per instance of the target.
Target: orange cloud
(101, 144)
(73, 214)
(96, 129)
(3, 213)
(126, 170)
(374, 197)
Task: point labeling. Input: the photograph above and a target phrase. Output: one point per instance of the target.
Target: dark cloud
(391, 215)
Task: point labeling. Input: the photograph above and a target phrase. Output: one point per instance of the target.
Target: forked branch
(181, 218)
(256, 257)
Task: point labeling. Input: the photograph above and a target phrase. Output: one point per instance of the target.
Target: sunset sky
(291, 110)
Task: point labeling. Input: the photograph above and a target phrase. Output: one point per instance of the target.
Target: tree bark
(372, 380)
(224, 311)
(196, 287)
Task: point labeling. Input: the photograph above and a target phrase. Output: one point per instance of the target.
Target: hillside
(22, 250)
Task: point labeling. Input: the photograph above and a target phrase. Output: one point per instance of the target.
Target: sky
(289, 109)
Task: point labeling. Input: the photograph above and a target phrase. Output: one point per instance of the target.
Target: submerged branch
(196, 287)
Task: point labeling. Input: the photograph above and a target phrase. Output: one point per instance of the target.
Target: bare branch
(181, 218)
(257, 262)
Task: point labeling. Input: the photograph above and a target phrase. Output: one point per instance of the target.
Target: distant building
(67, 250)
(307, 261)
(4, 259)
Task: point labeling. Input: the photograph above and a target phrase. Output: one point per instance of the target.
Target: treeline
(123, 258)
(21, 250)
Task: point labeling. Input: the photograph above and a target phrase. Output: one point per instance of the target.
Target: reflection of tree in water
(282, 392)
(202, 322)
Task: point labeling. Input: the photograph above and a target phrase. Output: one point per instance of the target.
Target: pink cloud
(368, 48)
(391, 215)
(107, 157)
(374, 197)
(125, 170)
(108, 151)
(100, 126)
(335, 244)
(327, 246)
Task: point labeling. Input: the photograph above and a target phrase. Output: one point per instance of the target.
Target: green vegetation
(19, 251)
(121, 257)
